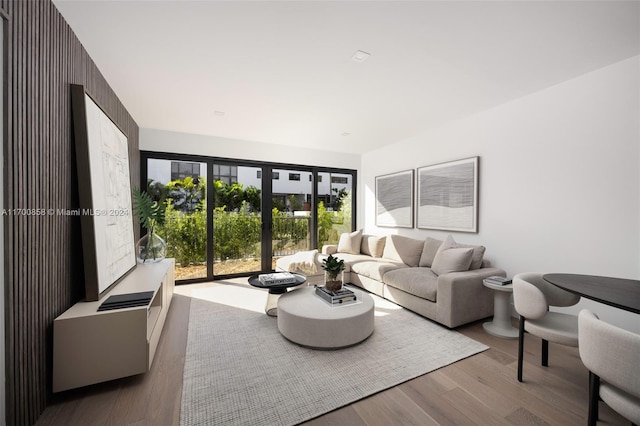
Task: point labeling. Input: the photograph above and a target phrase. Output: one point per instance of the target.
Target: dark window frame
(267, 171)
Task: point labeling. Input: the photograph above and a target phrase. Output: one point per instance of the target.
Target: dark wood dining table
(618, 292)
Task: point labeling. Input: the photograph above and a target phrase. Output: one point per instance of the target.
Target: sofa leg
(545, 353)
(520, 347)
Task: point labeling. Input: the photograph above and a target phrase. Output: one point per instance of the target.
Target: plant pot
(150, 249)
(333, 282)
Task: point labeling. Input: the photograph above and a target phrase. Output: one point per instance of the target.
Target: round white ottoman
(304, 318)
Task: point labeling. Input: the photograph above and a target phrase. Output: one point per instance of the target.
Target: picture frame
(394, 199)
(448, 196)
(104, 188)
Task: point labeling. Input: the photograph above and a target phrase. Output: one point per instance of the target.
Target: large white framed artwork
(394, 200)
(105, 196)
(448, 196)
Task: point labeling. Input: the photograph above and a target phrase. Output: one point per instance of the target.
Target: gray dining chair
(612, 356)
(532, 297)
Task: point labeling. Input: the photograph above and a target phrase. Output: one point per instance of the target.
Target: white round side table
(501, 326)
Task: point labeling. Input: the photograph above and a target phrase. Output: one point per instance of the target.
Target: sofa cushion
(431, 246)
(451, 258)
(403, 249)
(477, 257)
(375, 269)
(350, 242)
(350, 259)
(421, 282)
(372, 245)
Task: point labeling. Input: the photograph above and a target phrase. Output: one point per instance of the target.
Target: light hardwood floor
(480, 390)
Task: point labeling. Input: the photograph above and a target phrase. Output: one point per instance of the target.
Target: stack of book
(336, 297)
(277, 278)
(130, 300)
(495, 280)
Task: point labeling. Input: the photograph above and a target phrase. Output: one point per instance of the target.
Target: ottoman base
(309, 321)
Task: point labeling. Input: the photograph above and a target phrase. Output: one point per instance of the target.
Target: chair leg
(594, 396)
(545, 353)
(520, 347)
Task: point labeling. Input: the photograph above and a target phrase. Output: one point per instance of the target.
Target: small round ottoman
(304, 318)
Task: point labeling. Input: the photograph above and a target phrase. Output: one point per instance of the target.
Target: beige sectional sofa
(440, 280)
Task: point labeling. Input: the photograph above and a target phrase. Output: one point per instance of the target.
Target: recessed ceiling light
(218, 113)
(360, 56)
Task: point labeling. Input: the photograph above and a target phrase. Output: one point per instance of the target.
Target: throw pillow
(478, 255)
(372, 245)
(451, 258)
(350, 243)
(431, 246)
(403, 249)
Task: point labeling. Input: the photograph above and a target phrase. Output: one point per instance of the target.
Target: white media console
(91, 346)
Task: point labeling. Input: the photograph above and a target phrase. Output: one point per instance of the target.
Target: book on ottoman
(336, 297)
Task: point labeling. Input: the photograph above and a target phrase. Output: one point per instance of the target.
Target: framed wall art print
(104, 188)
(448, 196)
(394, 199)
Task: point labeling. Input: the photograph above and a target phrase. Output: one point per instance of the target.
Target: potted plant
(333, 273)
(152, 215)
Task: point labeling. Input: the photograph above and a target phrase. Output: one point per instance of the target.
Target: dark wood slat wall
(43, 265)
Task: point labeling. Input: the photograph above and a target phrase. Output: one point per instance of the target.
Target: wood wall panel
(43, 254)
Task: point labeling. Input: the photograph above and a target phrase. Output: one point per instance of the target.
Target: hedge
(237, 233)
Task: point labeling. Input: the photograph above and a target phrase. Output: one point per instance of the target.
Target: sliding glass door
(229, 218)
(335, 206)
(180, 186)
(292, 197)
(237, 219)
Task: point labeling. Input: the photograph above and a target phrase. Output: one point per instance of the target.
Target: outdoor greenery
(236, 235)
(237, 222)
(186, 234)
(232, 197)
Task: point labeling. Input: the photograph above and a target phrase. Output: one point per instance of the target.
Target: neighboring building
(285, 182)
(164, 171)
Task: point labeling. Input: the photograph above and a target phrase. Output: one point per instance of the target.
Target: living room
(546, 94)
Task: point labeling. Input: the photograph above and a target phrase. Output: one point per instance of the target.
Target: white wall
(559, 178)
(185, 143)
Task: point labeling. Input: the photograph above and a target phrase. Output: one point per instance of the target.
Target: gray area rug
(239, 370)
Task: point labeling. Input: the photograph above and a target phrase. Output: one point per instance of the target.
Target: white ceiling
(282, 71)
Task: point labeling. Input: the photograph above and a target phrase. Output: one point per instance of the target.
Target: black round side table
(275, 290)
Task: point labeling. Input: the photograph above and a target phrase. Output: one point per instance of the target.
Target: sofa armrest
(329, 249)
(463, 298)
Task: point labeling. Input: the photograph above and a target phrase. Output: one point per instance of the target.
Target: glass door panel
(291, 212)
(215, 224)
(237, 219)
(180, 186)
(334, 207)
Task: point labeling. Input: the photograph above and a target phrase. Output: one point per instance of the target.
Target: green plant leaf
(150, 213)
